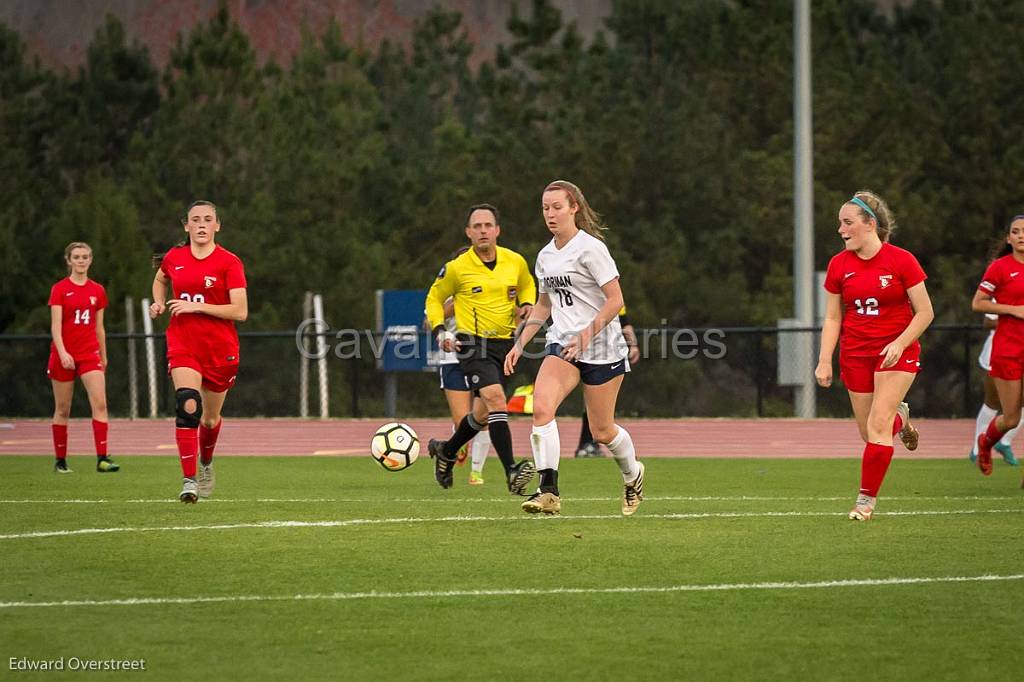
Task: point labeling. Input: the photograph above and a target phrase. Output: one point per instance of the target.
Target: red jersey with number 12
(79, 305)
(1003, 282)
(876, 307)
(212, 340)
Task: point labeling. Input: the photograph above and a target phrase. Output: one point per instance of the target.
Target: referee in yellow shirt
(493, 289)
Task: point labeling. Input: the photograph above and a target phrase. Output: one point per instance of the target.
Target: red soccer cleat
(984, 455)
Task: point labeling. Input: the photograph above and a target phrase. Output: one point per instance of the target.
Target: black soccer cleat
(443, 466)
(61, 467)
(519, 476)
(106, 465)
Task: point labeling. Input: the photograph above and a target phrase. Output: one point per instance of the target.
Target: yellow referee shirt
(485, 299)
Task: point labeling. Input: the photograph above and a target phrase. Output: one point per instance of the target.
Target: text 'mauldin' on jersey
(572, 278)
(485, 299)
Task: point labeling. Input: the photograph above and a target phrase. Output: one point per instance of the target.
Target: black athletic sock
(468, 428)
(501, 438)
(586, 437)
(549, 481)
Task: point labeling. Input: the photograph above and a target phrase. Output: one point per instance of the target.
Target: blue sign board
(407, 347)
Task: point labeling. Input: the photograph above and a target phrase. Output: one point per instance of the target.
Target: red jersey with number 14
(79, 305)
(1004, 281)
(212, 340)
(876, 307)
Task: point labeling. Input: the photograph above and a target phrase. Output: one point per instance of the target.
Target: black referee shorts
(482, 360)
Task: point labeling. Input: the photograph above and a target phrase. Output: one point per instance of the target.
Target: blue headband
(860, 202)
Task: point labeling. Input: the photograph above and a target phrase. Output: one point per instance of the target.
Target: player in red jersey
(79, 349)
(1004, 281)
(878, 306)
(208, 284)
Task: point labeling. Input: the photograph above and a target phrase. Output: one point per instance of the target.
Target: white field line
(455, 519)
(448, 594)
(504, 500)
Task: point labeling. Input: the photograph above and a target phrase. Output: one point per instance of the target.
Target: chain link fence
(720, 372)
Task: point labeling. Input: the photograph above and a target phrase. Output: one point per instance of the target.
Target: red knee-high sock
(873, 465)
(99, 437)
(897, 425)
(208, 441)
(188, 449)
(993, 434)
(60, 440)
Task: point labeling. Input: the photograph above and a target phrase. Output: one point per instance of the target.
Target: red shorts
(1009, 368)
(858, 372)
(216, 378)
(89, 362)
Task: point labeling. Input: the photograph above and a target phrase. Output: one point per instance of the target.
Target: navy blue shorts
(590, 374)
(452, 378)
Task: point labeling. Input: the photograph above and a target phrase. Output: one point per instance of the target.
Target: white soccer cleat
(189, 491)
(206, 480)
(908, 434)
(863, 508)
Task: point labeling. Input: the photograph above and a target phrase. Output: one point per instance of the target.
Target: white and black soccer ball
(395, 446)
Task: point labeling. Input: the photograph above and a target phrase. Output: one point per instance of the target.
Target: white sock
(985, 415)
(546, 445)
(1007, 438)
(624, 454)
(478, 450)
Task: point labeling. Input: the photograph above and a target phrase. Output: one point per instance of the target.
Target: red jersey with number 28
(79, 305)
(1004, 281)
(876, 307)
(211, 340)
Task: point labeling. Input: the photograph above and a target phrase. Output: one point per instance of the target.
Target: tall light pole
(803, 205)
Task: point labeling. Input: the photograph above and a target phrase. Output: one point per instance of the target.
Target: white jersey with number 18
(572, 277)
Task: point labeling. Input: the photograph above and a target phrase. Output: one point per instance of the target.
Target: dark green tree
(28, 191)
(110, 98)
(199, 143)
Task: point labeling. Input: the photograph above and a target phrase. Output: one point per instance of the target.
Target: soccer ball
(395, 446)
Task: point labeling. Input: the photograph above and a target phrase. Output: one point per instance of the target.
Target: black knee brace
(183, 418)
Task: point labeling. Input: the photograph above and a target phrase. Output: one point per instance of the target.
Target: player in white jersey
(990, 403)
(579, 289)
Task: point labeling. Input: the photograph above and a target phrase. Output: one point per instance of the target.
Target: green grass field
(403, 580)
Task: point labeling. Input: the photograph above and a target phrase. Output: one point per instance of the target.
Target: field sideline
(332, 568)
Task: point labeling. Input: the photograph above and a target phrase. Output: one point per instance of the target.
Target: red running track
(785, 438)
